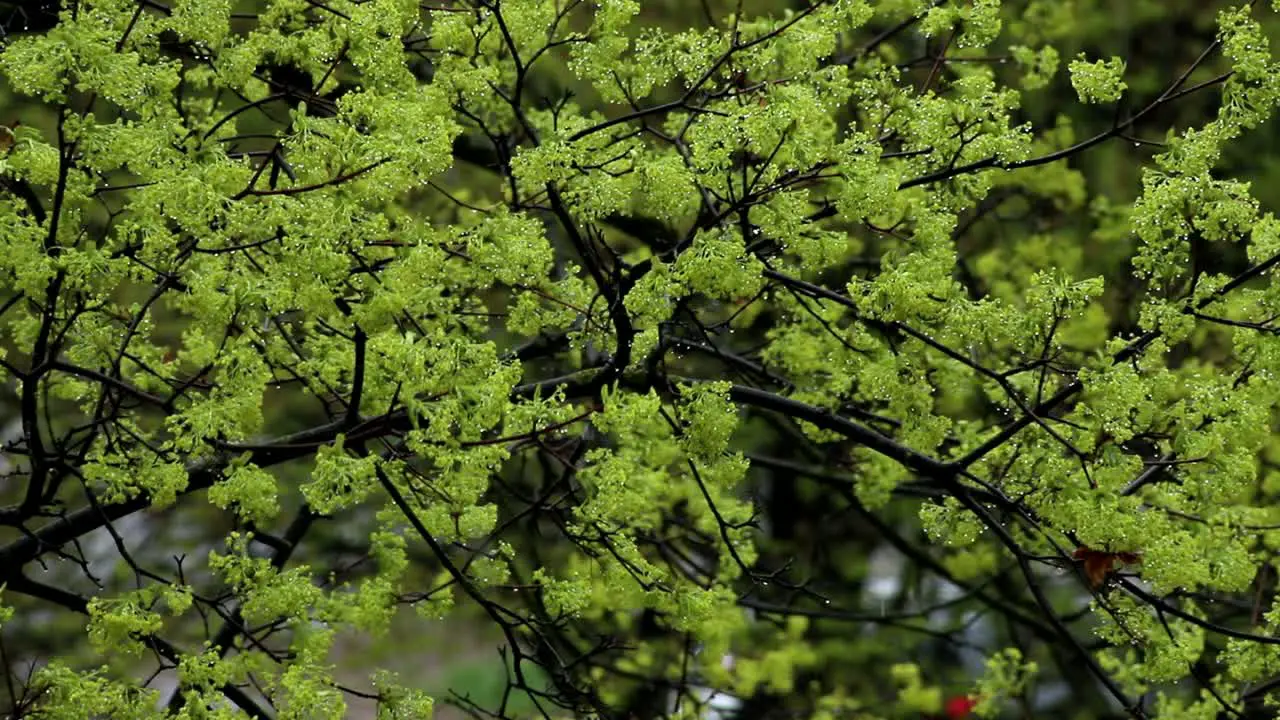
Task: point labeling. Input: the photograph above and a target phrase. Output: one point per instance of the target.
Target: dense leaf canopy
(821, 359)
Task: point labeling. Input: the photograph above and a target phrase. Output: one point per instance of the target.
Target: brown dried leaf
(7, 136)
(1098, 564)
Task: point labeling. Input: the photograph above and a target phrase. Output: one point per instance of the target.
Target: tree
(750, 360)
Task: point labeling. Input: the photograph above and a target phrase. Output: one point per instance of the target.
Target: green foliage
(1007, 674)
(638, 334)
(912, 692)
(1099, 81)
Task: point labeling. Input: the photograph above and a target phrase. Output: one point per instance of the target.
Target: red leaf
(959, 707)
